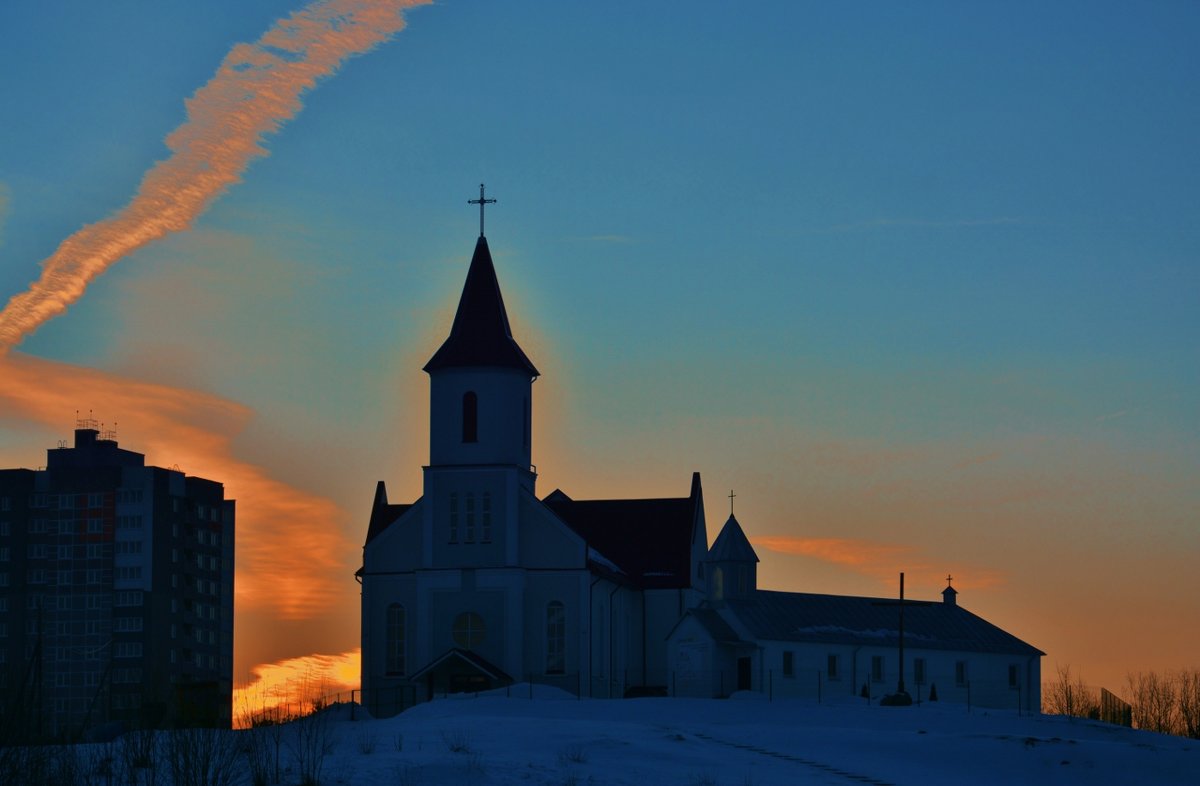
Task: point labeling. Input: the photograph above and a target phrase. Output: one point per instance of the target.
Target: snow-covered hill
(557, 740)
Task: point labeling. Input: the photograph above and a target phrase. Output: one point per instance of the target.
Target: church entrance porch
(459, 671)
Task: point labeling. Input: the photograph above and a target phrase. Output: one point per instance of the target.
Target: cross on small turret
(949, 579)
(481, 202)
(731, 496)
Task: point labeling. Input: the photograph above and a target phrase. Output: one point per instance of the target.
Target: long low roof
(842, 619)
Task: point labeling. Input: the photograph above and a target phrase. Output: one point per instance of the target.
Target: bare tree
(1153, 698)
(1189, 703)
(203, 757)
(1069, 695)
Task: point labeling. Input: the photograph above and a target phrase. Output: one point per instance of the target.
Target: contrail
(255, 91)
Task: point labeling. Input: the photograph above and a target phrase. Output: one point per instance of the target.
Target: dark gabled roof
(471, 658)
(383, 514)
(716, 626)
(649, 541)
(732, 545)
(796, 616)
(481, 335)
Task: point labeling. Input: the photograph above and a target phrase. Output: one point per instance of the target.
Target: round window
(468, 630)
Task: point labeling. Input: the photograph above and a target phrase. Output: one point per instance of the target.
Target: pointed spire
(732, 545)
(481, 335)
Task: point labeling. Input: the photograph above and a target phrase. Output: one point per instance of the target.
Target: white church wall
(386, 693)
(983, 679)
(662, 613)
(545, 541)
(615, 643)
(492, 608)
(503, 431)
(541, 589)
(691, 655)
(397, 548)
(468, 520)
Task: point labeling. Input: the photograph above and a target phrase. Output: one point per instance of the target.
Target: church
(481, 584)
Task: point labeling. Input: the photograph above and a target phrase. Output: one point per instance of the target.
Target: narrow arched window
(718, 584)
(556, 638)
(470, 417)
(395, 639)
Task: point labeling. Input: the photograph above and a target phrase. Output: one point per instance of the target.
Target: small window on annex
(395, 639)
(960, 673)
(556, 638)
(470, 417)
(876, 668)
(919, 670)
(789, 663)
(1014, 675)
(468, 630)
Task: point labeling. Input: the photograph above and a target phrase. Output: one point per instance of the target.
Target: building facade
(807, 645)
(116, 593)
(479, 583)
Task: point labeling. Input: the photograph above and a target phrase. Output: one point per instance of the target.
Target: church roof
(649, 541)
(841, 619)
(716, 626)
(481, 335)
(472, 659)
(732, 545)
(383, 514)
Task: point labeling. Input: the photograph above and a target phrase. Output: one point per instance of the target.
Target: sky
(920, 284)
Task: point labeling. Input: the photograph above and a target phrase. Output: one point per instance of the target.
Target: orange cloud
(291, 556)
(293, 684)
(256, 89)
(878, 560)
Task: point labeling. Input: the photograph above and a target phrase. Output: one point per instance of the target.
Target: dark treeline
(1167, 702)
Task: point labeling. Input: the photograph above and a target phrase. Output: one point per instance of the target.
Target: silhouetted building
(796, 644)
(479, 583)
(116, 592)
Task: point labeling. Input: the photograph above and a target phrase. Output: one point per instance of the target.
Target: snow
(743, 741)
(602, 560)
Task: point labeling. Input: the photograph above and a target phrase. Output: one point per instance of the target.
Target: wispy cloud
(256, 89)
(878, 560)
(609, 238)
(291, 555)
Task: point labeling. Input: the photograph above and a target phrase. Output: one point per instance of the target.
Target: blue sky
(918, 277)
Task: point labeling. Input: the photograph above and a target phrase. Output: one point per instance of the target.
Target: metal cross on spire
(731, 496)
(481, 202)
(949, 579)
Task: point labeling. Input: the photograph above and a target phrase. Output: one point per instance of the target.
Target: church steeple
(481, 335)
(480, 381)
(734, 569)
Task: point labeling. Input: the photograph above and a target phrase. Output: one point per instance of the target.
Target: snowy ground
(740, 742)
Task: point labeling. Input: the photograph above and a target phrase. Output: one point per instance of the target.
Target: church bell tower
(481, 382)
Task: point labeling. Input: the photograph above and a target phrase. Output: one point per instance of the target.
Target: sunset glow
(918, 282)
